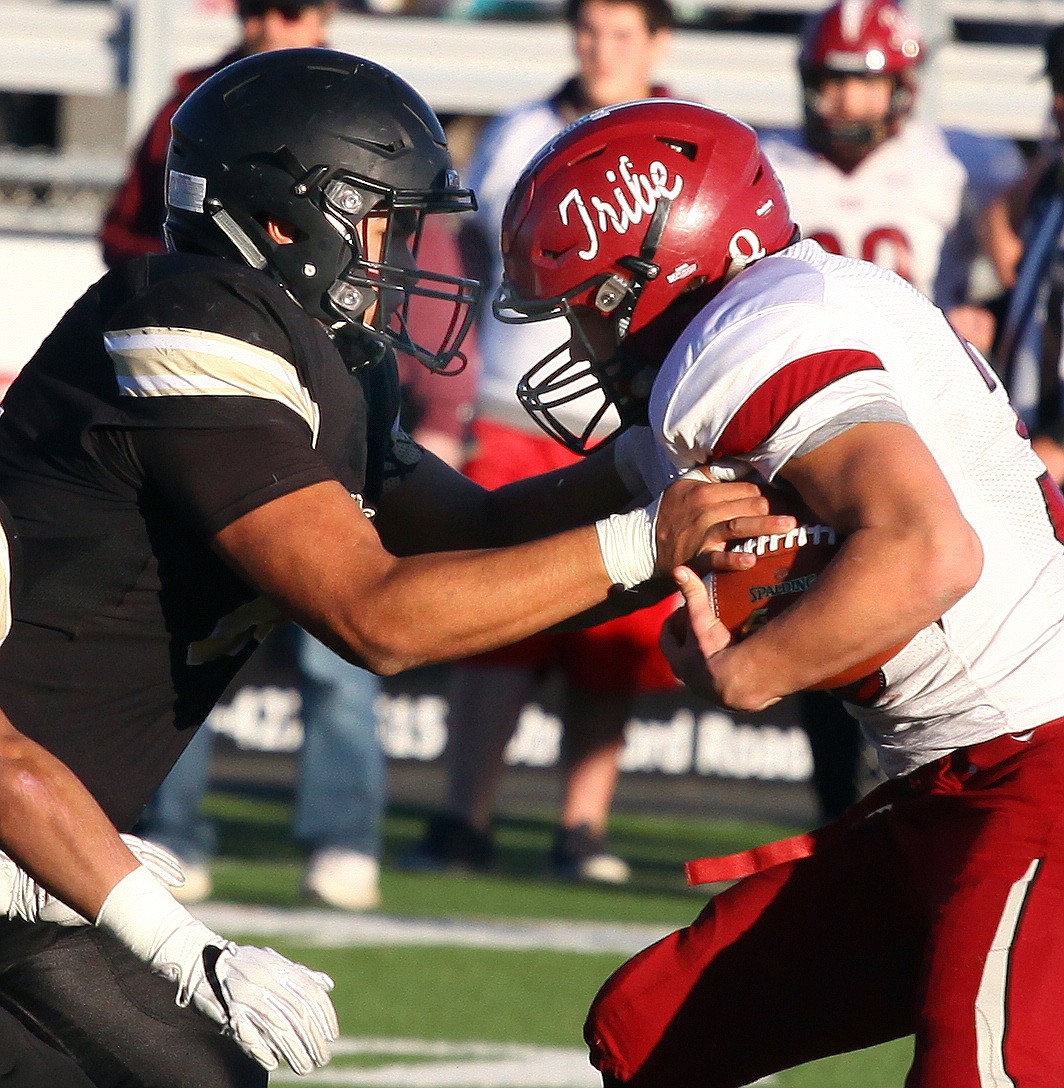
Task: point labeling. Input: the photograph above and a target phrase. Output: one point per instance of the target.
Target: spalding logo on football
(787, 565)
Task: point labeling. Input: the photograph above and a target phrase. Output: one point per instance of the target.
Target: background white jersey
(508, 351)
(911, 205)
(805, 344)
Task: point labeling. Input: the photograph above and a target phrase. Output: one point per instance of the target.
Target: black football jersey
(177, 394)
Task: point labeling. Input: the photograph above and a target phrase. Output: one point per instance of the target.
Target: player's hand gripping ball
(787, 565)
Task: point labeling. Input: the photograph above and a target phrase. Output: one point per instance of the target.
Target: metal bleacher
(125, 55)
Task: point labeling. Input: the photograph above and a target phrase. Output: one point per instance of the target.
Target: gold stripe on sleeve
(169, 362)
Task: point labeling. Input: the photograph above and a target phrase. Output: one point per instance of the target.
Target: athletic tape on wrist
(628, 544)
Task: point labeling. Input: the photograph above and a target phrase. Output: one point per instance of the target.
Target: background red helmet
(858, 38)
(861, 37)
(625, 211)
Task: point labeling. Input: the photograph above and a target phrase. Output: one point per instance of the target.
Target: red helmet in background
(858, 38)
(626, 211)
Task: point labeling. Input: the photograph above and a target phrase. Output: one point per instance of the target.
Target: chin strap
(359, 347)
(247, 249)
(643, 268)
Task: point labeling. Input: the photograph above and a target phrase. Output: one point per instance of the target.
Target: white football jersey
(910, 206)
(805, 344)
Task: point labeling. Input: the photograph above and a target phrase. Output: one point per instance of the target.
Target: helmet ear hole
(686, 148)
(694, 284)
(280, 231)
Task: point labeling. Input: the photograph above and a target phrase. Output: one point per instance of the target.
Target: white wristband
(629, 545)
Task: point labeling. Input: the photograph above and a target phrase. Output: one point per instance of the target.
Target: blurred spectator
(132, 225)
(618, 45)
(340, 789)
(1029, 354)
(340, 792)
(867, 180)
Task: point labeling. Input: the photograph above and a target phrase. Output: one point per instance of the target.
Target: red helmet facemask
(858, 38)
(626, 212)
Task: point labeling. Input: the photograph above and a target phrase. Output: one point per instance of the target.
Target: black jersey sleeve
(225, 387)
(185, 344)
(214, 476)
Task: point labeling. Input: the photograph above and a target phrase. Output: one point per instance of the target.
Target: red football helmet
(626, 211)
(858, 38)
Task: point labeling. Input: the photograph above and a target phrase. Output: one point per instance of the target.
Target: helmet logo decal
(681, 272)
(186, 191)
(636, 198)
(745, 247)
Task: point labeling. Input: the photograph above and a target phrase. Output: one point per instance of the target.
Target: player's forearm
(446, 606)
(316, 556)
(882, 588)
(319, 559)
(51, 826)
(438, 505)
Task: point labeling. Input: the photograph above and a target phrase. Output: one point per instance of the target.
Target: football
(787, 565)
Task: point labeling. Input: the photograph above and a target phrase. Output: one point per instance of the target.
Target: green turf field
(431, 1012)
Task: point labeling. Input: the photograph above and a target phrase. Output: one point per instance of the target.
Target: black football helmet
(322, 142)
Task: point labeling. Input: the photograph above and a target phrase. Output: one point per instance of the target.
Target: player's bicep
(209, 476)
(874, 475)
(908, 553)
(316, 555)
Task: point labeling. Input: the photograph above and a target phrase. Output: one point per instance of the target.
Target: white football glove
(271, 1007)
(22, 897)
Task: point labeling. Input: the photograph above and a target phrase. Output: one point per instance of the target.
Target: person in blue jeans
(340, 790)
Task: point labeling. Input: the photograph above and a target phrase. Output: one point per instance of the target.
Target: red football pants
(942, 916)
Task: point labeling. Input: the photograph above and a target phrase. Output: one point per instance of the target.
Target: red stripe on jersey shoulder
(766, 408)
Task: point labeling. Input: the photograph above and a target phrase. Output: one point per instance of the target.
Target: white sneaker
(604, 868)
(579, 854)
(344, 879)
(197, 886)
